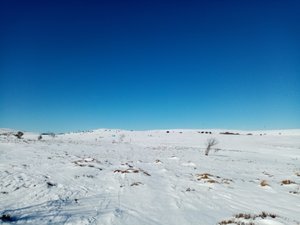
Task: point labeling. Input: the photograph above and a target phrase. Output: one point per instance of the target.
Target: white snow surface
(150, 177)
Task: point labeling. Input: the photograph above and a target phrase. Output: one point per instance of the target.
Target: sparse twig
(210, 143)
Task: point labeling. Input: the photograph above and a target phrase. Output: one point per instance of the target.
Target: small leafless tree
(210, 143)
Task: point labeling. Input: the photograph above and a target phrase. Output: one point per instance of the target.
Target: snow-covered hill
(150, 177)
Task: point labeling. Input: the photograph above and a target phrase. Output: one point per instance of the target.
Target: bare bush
(19, 134)
(210, 143)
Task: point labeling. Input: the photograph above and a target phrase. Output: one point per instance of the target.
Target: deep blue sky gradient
(75, 65)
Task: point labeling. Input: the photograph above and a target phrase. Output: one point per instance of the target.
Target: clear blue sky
(76, 65)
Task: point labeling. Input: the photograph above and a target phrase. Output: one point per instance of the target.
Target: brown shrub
(264, 183)
(286, 182)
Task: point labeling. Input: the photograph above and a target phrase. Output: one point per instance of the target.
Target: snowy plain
(150, 177)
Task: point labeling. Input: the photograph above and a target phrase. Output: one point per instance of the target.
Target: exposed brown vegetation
(245, 216)
(208, 178)
(231, 221)
(226, 222)
(265, 215)
(131, 170)
(264, 183)
(286, 182)
(203, 176)
(211, 181)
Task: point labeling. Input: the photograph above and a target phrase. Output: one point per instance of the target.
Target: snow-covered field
(150, 177)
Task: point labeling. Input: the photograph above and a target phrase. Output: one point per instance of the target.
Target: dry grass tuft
(204, 176)
(264, 183)
(286, 182)
(208, 178)
(212, 181)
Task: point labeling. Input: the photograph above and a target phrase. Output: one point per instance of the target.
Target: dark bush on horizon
(229, 133)
(19, 134)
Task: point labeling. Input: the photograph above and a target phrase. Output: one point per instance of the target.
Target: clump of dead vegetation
(132, 170)
(85, 161)
(287, 182)
(239, 219)
(232, 221)
(262, 215)
(88, 162)
(264, 183)
(209, 178)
